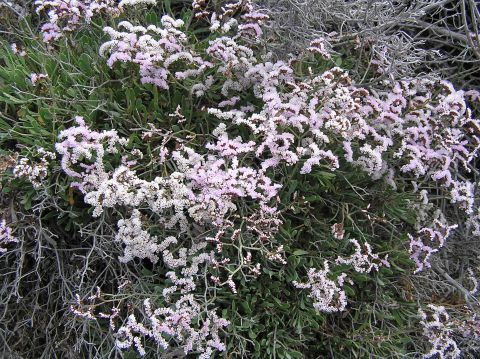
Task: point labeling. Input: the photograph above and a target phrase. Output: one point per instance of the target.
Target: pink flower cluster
(79, 145)
(34, 171)
(36, 78)
(206, 186)
(319, 46)
(219, 180)
(327, 294)
(5, 236)
(427, 242)
(184, 319)
(250, 25)
(363, 260)
(204, 190)
(17, 51)
(178, 323)
(436, 327)
(67, 15)
(163, 52)
(158, 51)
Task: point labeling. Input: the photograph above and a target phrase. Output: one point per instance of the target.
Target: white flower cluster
(319, 46)
(35, 172)
(178, 323)
(122, 3)
(328, 295)
(199, 8)
(124, 188)
(337, 231)
(81, 310)
(363, 261)
(155, 49)
(79, 142)
(474, 223)
(138, 243)
(436, 327)
(317, 155)
(186, 321)
(17, 51)
(216, 25)
(36, 78)
(249, 26)
(67, 15)
(277, 255)
(463, 192)
(182, 320)
(428, 241)
(218, 181)
(86, 311)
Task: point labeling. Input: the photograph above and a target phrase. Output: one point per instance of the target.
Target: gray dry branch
(387, 39)
(40, 277)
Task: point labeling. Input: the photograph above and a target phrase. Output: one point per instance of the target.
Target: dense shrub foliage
(169, 189)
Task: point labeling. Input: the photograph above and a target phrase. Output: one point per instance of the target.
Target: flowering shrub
(437, 330)
(229, 186)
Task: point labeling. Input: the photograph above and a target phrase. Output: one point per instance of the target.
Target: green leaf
(349, 291)
(168, 6)
(299, 252)
(146, 272)
(151, 18)
(294, 354)
(246, 307)
(51, 68)
(85, 63)
(45, 113)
